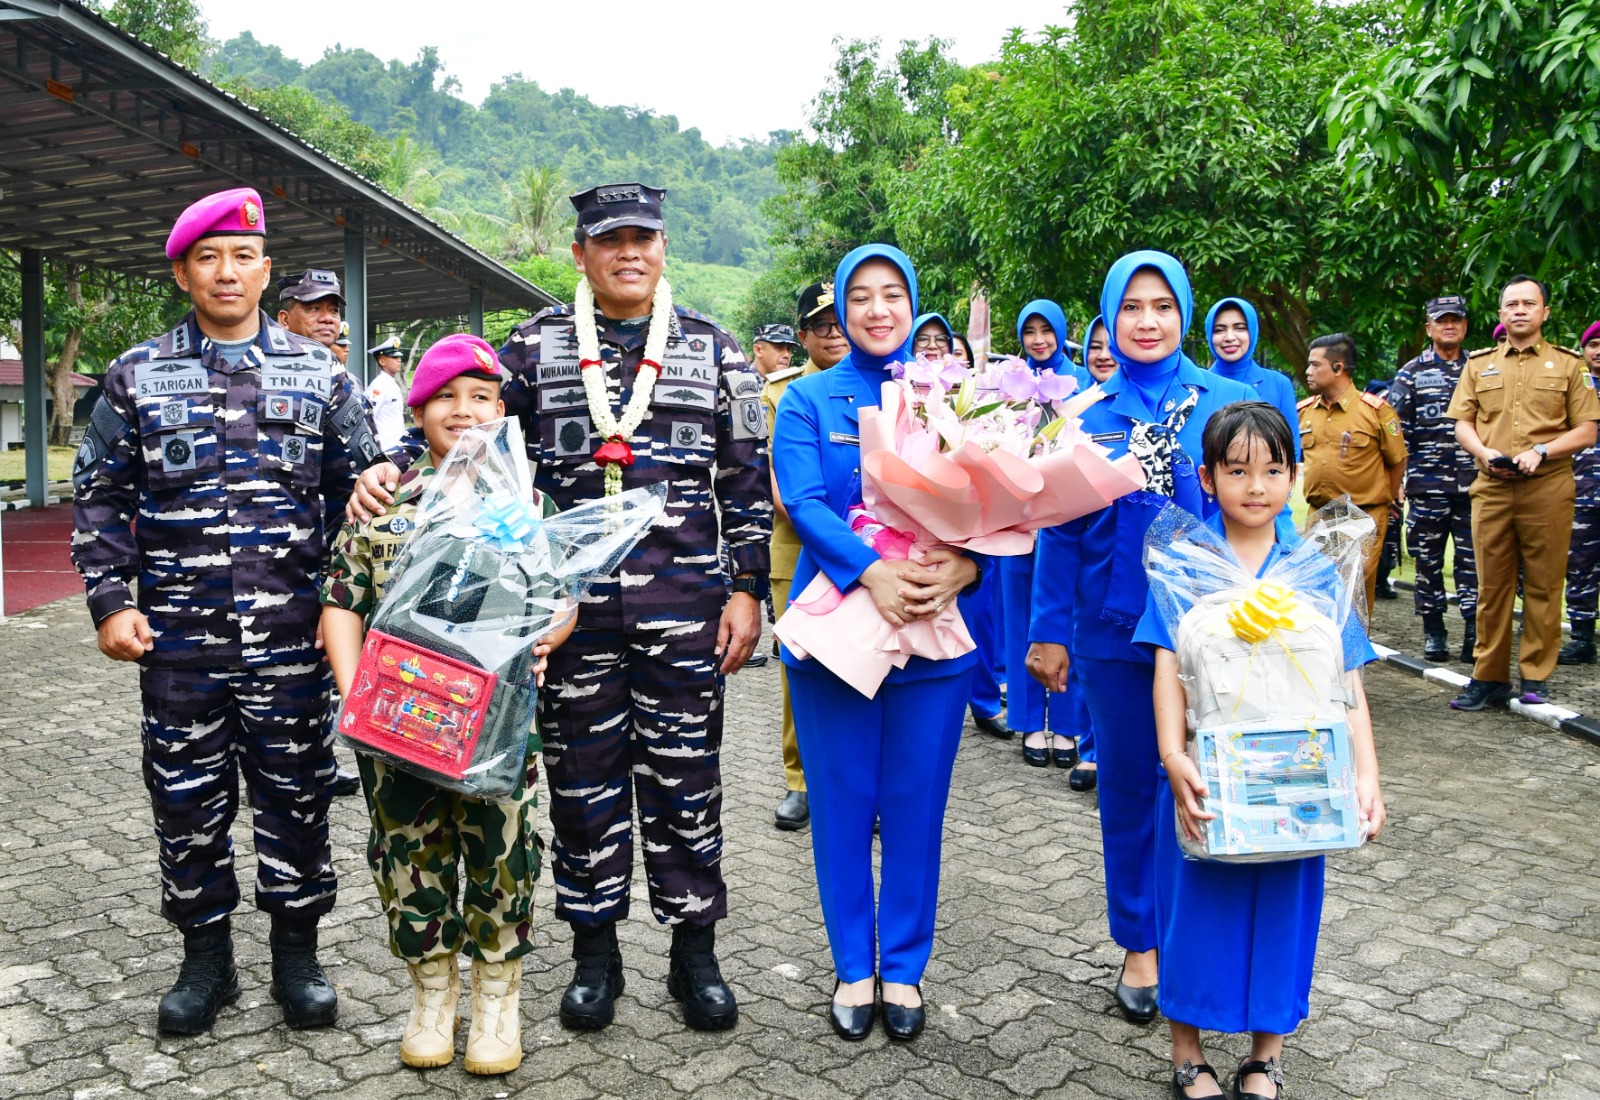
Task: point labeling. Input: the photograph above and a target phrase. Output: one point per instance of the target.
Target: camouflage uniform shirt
(1436, 463)
(219, 486)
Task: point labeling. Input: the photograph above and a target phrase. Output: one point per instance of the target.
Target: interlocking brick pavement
(1459, 957)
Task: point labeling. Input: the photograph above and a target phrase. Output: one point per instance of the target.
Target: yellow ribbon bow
(1266, 608)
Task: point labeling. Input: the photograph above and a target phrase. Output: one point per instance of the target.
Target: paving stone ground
(1459, 958)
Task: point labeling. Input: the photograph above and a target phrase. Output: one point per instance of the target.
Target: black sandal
(1272, 1068)
(1186, 1075)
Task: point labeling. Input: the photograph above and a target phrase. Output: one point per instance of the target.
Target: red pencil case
(416, 705)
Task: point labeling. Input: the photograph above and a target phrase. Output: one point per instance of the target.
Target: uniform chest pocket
(1308, 440)
(179, 440)
(1361, 440)
(1491, 393)
(289, 435)
(1549, 396)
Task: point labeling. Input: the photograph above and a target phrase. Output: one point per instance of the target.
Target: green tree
(175, 27)
(319, 122)
(540, 217)
(1493, 104)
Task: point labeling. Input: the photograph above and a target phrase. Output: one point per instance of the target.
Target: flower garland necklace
(615, 453)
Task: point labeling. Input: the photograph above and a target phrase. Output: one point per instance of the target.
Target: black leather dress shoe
(851, 1022)
(345, 782)
(794, 812)
(757, 660)
(901, 1022)
(1469, 642)
(1139, 1003)
(1480, 694)
(994, 726)
(1083, 779)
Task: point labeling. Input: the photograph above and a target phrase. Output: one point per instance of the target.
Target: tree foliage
(175, 27)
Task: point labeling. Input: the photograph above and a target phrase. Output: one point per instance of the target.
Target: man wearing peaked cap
(310, 305)
(622, 389)
(773, 347)
(341, 346)
(236, 444)
(384, 394)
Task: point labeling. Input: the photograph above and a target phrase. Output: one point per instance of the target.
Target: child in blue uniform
(1238, 939)
(1089, 583)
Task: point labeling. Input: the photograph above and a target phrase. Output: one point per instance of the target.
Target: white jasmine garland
(609, 427)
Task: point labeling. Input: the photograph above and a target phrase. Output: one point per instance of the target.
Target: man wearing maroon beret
(235, 443)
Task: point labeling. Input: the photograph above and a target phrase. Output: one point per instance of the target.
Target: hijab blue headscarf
(841, 281)
(1050, 314)
(1246, 365)
(1088, 337)
(1150, 379)
(924, 318)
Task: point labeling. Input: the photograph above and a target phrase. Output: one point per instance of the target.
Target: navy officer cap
(311, 285)
(814, 299)
(614, 205)
(776, 334)
(1445, 304)
(391, 346)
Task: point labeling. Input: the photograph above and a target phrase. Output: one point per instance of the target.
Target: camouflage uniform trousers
(425, 839)
(1583, 564)
(644, 705)
(201, 727)
(1433, 518)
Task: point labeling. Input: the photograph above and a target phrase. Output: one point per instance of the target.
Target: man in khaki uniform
(823, 338)
(1522, 410)
(1351, 442)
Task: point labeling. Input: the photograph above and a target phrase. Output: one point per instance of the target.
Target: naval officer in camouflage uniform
(234, 445)
(1583, 559)
(1438, 475)
(632, 706)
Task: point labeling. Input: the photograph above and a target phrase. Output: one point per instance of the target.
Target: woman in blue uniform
(1232, 333)
(1047, 725)
(1091, 584)
(887, 758)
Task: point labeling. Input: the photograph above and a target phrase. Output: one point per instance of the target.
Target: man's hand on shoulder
(374, 492)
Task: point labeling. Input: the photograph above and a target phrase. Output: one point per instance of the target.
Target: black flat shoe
(1036, 757)
(1065, 758)
(1186, 1075)
(1272, 1068)
(1083, 779)
(1139, 1003)
(994, 726)
(345, 782)
(903, 1023)
(850, 1022)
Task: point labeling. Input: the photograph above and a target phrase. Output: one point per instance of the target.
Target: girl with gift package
(1050, 727)
(424, 836)
(888, 757)
(1238, 939)
(1089, 583)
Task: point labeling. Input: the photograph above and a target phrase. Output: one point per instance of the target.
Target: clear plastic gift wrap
(445, 686)
(1262, 662)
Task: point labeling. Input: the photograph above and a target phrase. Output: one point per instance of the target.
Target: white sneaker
(494, 1045)
(430, 1036)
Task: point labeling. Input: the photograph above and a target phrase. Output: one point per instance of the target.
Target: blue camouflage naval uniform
(237, 475)
(636, 690)
(1583, 559)
(1438, 474)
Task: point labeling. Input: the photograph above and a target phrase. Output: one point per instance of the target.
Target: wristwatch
(1542, 451)
(756, 585)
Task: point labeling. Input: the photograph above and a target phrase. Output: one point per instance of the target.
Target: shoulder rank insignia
(1374, 400)
(1483, 351)
(1307, 403)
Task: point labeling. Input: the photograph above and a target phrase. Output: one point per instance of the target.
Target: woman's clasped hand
(905, 591)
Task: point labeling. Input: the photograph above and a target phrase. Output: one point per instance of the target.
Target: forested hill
(714, 209)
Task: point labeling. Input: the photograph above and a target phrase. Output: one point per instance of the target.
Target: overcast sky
(734, 69)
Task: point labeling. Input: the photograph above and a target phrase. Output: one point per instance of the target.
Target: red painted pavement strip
(38, 558)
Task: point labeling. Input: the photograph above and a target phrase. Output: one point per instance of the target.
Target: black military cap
(614, 205)
(814, 299)
(776, 334)
(1446, 304)
(311, 285)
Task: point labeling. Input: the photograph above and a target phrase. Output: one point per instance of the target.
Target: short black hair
(1253, 420)
(1544, 291)
(1338, 346)
(964, 342)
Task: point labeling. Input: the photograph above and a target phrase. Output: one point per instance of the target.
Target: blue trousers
(1027, 702)
(1123, 712)
(982, 613)
(1077, 701)
(887, 759)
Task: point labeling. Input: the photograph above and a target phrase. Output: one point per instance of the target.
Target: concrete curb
(1546, 714)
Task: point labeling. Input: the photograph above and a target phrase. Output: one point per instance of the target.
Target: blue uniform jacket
(816, 453)
(1089, 585)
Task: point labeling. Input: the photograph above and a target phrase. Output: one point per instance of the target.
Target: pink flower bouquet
(944, 469)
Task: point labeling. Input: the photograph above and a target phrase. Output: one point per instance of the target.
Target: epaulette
(1307, 403)
(1483, 351)
(1374, 400)
(785, 374)
(1569, 351)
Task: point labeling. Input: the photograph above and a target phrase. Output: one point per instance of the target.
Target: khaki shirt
(1349, 446)
(1516, 397)
(785, 543)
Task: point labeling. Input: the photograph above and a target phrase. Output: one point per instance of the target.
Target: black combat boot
(590, 1000)
(298, 981)
(1469, 640)
(1435, 639)
(1579, 651)
(206, 981)
(694, 979)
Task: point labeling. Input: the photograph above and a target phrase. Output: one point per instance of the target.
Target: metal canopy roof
(103, 141)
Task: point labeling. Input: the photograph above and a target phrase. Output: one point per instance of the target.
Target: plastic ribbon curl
(506, 521)
(1266, 609)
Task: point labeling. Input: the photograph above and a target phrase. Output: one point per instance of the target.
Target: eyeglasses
(825, 329)
(931, 342)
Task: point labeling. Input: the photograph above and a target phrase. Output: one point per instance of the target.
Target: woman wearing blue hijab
(887, 758)
(1042, 332)
(1090, 586)
(1232, 333)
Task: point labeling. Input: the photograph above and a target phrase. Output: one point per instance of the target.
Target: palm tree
(539, 214)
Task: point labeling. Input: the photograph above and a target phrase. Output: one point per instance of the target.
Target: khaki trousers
(1380, 516)
(1524, 522)
(794, 779)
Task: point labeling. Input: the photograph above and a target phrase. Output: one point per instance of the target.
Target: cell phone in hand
(1502, 462)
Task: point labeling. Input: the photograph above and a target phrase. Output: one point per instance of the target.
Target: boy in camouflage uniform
(422, 833)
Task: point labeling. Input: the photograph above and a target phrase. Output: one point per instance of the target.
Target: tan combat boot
(430, 1036)
(494, 1045)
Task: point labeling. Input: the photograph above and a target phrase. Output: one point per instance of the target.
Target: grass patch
(58, 466)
